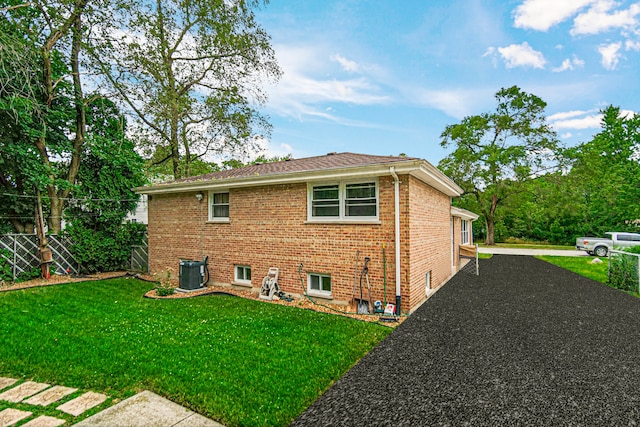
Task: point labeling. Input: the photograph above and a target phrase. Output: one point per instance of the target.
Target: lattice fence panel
(469, 260)
(24, 253)
(62, 257)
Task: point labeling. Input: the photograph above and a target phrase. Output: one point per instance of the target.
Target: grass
(580, 265)
(583, 266)
(531, 246)
(237, 361)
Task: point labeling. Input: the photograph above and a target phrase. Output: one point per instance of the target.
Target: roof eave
(418, 168)
(283, 178)
(464, 214)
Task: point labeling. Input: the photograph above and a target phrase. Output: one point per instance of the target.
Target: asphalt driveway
(525, 343)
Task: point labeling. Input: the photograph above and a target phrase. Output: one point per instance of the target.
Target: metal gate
(140, 256)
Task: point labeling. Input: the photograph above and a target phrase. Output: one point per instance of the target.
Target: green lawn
(237, 361)
(580, 265)
(531, 246)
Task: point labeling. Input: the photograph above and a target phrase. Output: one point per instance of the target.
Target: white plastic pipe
(396, 180)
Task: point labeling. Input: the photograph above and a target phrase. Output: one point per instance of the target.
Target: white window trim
(316, 292)
(235, 275)
(342, 196)
(464, 233)
(211, 218)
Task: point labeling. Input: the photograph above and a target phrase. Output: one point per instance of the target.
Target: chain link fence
(624, 270)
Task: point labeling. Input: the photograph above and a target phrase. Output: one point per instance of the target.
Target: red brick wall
(268, 228)
(430, 238)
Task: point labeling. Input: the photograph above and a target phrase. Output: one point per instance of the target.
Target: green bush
(164, 291)
(104, 250)
(33, 273)
(623, 270)
(6, 275)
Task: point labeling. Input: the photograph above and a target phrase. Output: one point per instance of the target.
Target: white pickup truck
(600, 247)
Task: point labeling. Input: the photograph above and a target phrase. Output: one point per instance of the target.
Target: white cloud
(569, 114)
(347, 65)
(569, 64)
(543, 14)
(566, 135)
(305, 88)
(520, 55)
(575, 120)
(599, 18)
(456, 103)
(632, 45)
(578, 120)
(610, 55)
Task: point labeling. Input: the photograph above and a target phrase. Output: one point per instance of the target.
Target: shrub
(6, 275)
(623, 270)
(104, 250)
(164, 291)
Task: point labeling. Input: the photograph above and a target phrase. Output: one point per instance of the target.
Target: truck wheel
(601, 251)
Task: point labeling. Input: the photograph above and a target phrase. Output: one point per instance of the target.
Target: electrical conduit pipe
(396, 182)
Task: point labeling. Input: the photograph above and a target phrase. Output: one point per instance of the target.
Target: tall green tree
(103, 196)
(189, 70)
(605, 176)
(495, 152)
(43, 100)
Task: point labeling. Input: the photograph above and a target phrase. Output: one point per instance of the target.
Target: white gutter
(392, 170)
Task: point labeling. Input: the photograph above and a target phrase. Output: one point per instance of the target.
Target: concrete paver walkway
(525, 343)
(143, 409)
(147, 409)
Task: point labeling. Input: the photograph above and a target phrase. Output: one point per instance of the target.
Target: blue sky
(386, 77)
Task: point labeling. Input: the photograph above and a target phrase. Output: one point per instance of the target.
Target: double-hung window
(219, 206)
(344, 201)
(465, 233)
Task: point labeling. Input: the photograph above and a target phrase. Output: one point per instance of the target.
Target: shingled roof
(329, 166)
(307, 164)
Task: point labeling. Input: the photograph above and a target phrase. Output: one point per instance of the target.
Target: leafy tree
(189, 70)
(103, 196)
(43, 101)
(498, 151)
(605, 177)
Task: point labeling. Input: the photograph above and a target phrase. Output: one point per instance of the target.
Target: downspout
(396, 182)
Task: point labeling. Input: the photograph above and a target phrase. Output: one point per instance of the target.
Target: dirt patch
(59, 279)
(297, 302)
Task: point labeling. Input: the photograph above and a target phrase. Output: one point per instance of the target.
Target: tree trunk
(490, 238)
(490, 219)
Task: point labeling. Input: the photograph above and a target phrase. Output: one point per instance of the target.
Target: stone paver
(10, 416)
(6, 382)
(22, 391)
(82, 403)
(147, 409)
(44, 421)
(51, 395)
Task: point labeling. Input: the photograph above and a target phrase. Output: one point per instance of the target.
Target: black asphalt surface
(524, 343)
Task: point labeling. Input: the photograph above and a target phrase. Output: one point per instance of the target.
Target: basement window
(219, 207)
(319, 285)
(242, 274)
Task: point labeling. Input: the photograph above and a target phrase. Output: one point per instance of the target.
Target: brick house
(318, 212)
